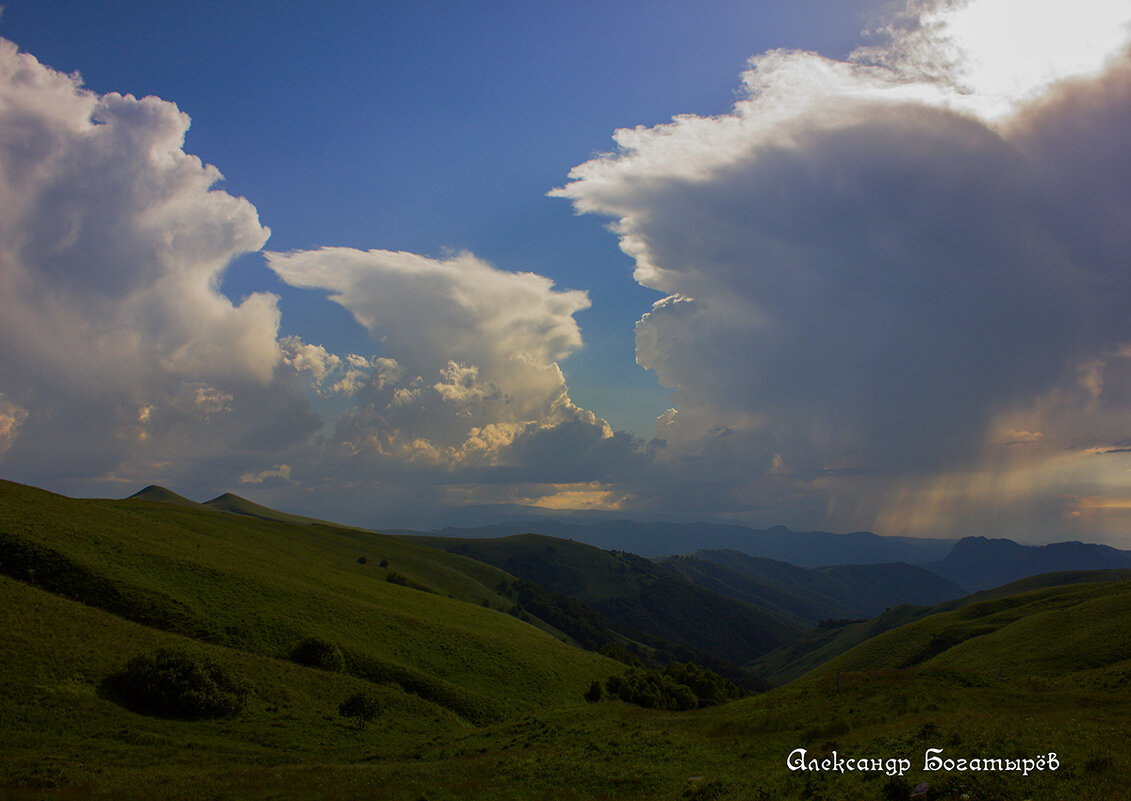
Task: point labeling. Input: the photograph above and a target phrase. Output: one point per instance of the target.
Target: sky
(830, 265)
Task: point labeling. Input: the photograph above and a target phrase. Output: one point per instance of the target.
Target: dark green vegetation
(639, 598)
(822, 645)
(813, 594)
(463, 697)
(178, 684)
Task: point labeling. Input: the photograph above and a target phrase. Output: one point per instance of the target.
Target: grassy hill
(426, 621)
(1082, 629)
(821, 646)
(636, 594)
(475, 703)
(813, 594)
(229, 502)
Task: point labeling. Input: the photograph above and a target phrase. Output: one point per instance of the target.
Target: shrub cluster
(652, 689)
(678, 687)
(318, 653)
(179, 684)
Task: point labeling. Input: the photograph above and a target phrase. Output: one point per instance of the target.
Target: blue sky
(868, 280)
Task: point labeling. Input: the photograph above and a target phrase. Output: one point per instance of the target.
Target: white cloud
(114, 339)
(276, 474)
(866, 280)
(468, 386)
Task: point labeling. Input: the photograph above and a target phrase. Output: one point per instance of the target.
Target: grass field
(475, 703)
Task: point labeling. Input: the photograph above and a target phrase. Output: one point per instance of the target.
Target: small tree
(595, 693)
(362, 707)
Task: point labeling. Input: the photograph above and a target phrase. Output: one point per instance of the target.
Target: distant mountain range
(813, 594)
(653, 540)
(972, 563)
(978, 563)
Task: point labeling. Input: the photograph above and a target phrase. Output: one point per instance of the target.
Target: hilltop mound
(159, 494)
(234, 504)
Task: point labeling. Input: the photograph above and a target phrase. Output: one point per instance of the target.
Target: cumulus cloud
(467, 388)
(117, 351)
(883, 271)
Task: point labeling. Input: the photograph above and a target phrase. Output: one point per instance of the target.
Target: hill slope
(839, 591)
(234, 504)
(158, 494)
(472, 703)
(427, 622)
(635, 593)
(823, 646)
(1077, 633)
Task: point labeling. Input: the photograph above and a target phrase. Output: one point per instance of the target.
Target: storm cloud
(878, 278)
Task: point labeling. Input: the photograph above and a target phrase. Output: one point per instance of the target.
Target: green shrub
(318, 653)
(595, 693)
(652, 689)
(362, 707)
(179, 684)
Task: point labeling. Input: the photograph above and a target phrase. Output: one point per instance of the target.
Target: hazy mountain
(839, 591)
(978, 563)
(804, 548)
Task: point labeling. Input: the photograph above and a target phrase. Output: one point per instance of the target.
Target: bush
(179, 684)
(595, 693)
(362, 707)
(317, 653)
(651, 689)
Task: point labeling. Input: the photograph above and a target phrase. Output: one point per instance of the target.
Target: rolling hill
(428, 622)
(813, 594)
(473, 702)
(639, 596)
(824, 646)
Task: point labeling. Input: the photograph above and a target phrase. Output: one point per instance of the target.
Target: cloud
(467, 388)
(11, 417)
(120, 355)
(876, 269)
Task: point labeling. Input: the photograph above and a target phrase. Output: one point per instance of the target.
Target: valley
(479, 667)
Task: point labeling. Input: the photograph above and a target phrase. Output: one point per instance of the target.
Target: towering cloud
(467, 387)
(119, 358)
(893, 277)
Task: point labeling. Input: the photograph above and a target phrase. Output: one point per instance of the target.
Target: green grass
(257, 586)
(260, 587)
(821, 646)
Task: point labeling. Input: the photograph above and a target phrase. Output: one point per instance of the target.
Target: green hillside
(641, 597)
(228, 502)
(427, 621)
(159, 494)
(472, 702)
(813, 594)
(1083, 632)
(823, 645)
